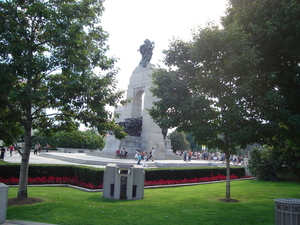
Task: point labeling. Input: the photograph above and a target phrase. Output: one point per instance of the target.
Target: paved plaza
(96, 161)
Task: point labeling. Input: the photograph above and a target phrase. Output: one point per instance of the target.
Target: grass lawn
(179, 205)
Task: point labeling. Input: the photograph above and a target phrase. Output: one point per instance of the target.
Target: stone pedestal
(3, 202)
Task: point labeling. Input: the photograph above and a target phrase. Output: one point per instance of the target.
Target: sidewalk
(101, 162)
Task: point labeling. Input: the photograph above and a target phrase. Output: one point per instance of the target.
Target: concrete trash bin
(3, 202)
(287, 211)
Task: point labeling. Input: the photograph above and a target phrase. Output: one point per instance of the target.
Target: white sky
(130, 22)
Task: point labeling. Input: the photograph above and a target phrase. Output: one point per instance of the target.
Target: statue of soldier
(146, 50)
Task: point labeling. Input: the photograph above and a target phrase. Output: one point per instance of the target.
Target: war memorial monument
(144, 133)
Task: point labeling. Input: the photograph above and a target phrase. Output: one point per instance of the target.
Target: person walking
(39, 148)
(11, 149)
(47, 147)
(139, 158)
(35, 149)
(136, 155)
(145, 161)
(2, 153)
(125, 153)
(153, 154)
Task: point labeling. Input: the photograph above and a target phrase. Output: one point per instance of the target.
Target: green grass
(180, 205)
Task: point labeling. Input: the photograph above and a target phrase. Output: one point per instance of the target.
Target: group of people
(143, 155)
(37, 148)
(188, 155)
(122, 153)
(11, 149)
(139, 156)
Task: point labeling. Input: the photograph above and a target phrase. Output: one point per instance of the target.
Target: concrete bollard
(3, 202)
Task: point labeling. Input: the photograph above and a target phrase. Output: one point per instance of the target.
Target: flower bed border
(75, 183)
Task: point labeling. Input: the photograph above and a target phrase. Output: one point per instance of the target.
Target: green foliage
(193, 145)
(95, 175)
(204, 93)
(48, 59)
(84, 174)
(263, 164)
(178, 141)
(289, 156)
(89, 139)
(284, 158)
(180, 174)
(273, 85)
(11, 133)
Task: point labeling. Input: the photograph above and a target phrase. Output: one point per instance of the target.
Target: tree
(274, 82)
(178, 141)
(274, 31)
(242, 82)
(11, 133)
(52, 55)
(193, 145)
(89, 139)
(203, 91)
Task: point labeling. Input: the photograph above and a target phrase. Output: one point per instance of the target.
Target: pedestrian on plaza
(189, 155)
(139, 158)
(39, 148)
(152, 154)
(145, 161)
(2, 153)
(11, 149)
(47, 147)
(235, 160)
(36, 147)
(125, 153)
(184, 155)
(136, 154)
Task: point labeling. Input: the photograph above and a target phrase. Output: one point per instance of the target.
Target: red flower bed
(76, 182)
(52, 180)
(185, 181)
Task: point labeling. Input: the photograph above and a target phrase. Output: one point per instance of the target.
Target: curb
(146, 187)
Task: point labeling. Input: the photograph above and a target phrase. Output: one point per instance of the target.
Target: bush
(180, 174)
(93, 177)
(262, 164)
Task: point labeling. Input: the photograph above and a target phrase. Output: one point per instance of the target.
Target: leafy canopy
(52, 55)
(202, 90)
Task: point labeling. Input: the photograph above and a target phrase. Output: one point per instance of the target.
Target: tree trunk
(23, 178)
(227, 155)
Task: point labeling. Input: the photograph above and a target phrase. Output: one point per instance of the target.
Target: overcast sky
(130, 22)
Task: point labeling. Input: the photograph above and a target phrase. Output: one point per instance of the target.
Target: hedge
(95, 175)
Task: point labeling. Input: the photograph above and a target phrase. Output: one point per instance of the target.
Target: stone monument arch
(151, 136)
(137, 103)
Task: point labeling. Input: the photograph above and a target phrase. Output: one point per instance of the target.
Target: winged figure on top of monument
(146, 50)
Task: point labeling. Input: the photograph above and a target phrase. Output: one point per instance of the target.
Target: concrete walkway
(101, 162)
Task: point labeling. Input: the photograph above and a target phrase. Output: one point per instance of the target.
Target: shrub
(262, 164)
